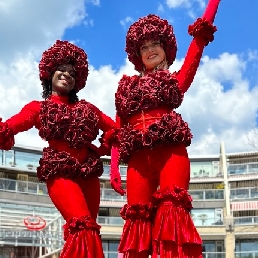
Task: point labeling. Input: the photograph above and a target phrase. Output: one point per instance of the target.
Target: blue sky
(221, 104)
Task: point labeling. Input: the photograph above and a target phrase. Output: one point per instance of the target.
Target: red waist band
(145, 118)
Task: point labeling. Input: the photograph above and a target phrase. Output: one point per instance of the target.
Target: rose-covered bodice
(77, 124)
(136, 94)
(69, 127)
(145, 106)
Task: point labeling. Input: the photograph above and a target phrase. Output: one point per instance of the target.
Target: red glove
(115, 177)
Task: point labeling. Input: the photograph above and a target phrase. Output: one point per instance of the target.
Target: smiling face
(63, 80)
(152, 54)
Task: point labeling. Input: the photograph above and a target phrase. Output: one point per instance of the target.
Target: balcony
(250, 220)
(247, 168)
(244, 193)
(209, 194)
(214, 255)
(246, 254)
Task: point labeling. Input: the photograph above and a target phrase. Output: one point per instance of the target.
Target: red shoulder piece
(20, 122)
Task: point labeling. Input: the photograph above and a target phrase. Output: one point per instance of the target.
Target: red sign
(34, 223)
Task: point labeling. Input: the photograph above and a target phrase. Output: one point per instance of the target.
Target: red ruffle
(61, 163)
(169, 249)
(173, 227)
(82, 239)
(204, 29)
(136, 235)
(156, 89)
(170, 129)
(6, 136)
(137, 211)
(77, 125)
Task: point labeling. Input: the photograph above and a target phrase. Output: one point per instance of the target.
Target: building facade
(224, 188)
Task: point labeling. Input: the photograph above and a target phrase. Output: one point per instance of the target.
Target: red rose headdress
(63, 52)
(151, 27)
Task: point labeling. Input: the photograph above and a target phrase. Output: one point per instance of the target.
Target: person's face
(63, 80)
(152, 54)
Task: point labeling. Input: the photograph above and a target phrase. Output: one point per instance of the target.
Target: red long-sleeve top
(68, 128)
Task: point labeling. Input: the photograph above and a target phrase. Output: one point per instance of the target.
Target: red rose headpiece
(63, 52)
(151, 27)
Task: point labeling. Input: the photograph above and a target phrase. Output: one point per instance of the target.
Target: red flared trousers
(78, 202)
(158, 222)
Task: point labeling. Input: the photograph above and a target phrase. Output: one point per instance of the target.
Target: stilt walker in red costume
(153, 140)
(71, 164)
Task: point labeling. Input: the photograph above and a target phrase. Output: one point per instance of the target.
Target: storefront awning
(243, 206)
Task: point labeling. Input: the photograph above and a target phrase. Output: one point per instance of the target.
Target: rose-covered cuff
(204, 29)
(6, 136)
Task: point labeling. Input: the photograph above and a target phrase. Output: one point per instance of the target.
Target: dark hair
(47, 91)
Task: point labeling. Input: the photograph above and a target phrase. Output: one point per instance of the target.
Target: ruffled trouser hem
(136, 238)
(163, 228)
(82, 239)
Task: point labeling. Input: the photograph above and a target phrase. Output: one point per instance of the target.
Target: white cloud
(31, 26)
(160, 8)
(215, 113)
(95, 2)
(188, 4)
(184, 3)
(127, 20)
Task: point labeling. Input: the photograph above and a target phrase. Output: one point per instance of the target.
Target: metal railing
(209, 194)
(19, 186)
(244, 193)
(214, 255)
(252, 254)
(250, 220)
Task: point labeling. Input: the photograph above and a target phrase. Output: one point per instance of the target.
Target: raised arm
(202, 31)
(23, 121)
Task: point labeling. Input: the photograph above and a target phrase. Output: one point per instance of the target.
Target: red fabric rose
(169, 129)
(6, 136)
(148, 92)
(77, 125)
(61, 163)
(204, 29)
(75, 225)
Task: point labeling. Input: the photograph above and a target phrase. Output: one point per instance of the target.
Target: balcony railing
(244, 193)
(246, 220)
(246, 168)
(29, 161)
(209, 194)
(214, 255)
(204, 255)
(114, 221)
(19, 186)
(246, 254)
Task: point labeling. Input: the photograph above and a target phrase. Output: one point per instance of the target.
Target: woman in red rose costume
(153, 140)
(71, 164)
